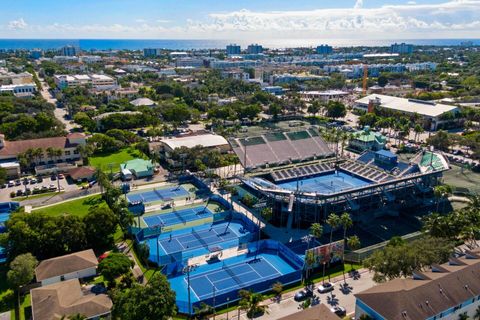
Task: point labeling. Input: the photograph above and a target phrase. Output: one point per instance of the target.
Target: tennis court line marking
(273, 267)
(235, 232)
(194, 292)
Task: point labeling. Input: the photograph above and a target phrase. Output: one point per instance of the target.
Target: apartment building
(96, 81)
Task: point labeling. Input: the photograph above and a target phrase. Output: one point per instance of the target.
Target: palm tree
(346, 223)
(353, 244)
(418, 129)
(463, 316)
(316, 230)
(333, 221)
(102, 180)
(442, 192)
(250, 302)
(476, 316)
(50, 153)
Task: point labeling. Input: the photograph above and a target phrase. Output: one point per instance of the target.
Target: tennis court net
(158, 193)
(232, 274)
(179, 216)
(199, 238)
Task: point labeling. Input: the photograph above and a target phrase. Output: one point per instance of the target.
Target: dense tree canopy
(154, 301)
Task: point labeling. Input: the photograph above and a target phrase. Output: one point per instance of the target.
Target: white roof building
(429, 110)
(205, 140)
(142, 102)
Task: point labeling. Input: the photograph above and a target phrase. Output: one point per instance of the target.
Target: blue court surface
(178, 216)
(326, 183)
(223, 279)
(233, 277)
(158, 194)
(197, 241)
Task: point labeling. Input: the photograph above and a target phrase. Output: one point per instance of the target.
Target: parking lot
(34, 186)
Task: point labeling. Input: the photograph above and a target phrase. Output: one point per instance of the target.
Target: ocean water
(138, 44)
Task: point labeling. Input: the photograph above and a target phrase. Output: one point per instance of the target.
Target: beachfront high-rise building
(233, 49)
(151, 52)
(324, 49)
(401, 48)
(69, 51)
(254, 49)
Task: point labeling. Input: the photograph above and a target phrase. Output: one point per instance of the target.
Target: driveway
(343, 295)
(60, 113)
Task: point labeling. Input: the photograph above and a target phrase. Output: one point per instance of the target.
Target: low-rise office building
(96, 81)
(434, 115)
(67, 148)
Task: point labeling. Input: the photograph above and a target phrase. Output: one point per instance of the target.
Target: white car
(325, 287)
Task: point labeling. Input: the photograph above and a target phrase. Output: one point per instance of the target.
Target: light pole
(228, 300)
(214, 310)
(245, 158)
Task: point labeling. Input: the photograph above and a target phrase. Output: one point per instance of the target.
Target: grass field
(113, 160)
(78, 207)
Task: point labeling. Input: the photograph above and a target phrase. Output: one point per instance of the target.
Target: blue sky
(240, 19)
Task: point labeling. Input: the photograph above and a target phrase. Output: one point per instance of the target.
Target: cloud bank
(450, 19)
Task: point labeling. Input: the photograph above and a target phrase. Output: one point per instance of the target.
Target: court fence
(268, 246)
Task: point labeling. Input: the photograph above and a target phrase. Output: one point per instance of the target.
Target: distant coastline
(172, 44)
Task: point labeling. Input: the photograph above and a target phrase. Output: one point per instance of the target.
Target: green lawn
(78, 207)
(113, 160)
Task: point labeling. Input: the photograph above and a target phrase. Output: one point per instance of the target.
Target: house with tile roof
(78, 265)
(441, 292)
(64, 299)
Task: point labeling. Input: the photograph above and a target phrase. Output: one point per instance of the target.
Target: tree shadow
(345, 288)
(332, 300)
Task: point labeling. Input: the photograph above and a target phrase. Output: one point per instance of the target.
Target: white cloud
(450, 19)
(358, 4)
(18, 24)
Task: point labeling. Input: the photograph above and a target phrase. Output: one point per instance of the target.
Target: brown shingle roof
(318, 312)
(66, 264)
(445, 288)
(66, 298)
(13, 148)
(81, 173)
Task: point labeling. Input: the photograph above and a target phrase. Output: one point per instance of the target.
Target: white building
(433, 114)
(189, 62)
(96, 81)
(442, 292)
(20, 90)
(76, 265)
(323, 96)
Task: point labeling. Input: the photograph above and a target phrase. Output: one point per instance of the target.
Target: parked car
(39, 179)
(18, 182)
(61, 176)
(98, 289)
(52, 187)
(325, 287)
(53, 177)
(33, 181)
(11, 183)
(303, 294)
(339, 311)
(19, 193)
(3, 185)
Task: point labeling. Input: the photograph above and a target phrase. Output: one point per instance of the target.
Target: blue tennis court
(178, 216)
(219, 234)
(159, 194)
(233, 277)
(326, 183)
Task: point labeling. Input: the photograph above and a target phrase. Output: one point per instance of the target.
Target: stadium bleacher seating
(280, 148)
(303, 171)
